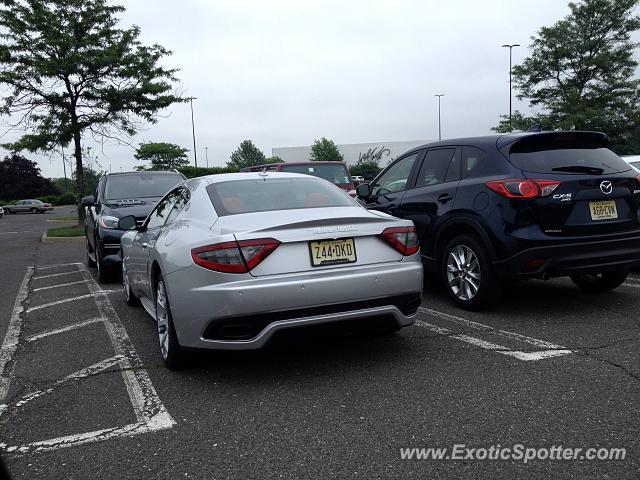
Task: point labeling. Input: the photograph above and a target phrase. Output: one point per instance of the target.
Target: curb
(45, 239)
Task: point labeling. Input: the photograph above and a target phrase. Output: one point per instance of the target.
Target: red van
(336, 172)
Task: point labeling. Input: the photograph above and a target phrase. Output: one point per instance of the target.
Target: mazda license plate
(605, 210)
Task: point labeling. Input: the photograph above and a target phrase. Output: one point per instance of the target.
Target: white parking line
(6, 233)
(83, 373)
(55, 275)
(68, 328)
(57, 286)
(487, 328)
(10, 342)
(551, 349)
(58, 302)
(57, 265)
(150, 413)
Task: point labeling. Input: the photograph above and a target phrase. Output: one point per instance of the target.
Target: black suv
(119, 195)
(495, 209)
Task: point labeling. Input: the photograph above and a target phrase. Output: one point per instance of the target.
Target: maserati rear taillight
(403, 239)
(234, 257)
(523, 188)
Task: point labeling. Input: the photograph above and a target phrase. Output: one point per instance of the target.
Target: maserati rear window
(249, 196)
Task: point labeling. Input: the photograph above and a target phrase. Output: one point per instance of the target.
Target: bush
(367, 170)
(191, 172)
(64, 199)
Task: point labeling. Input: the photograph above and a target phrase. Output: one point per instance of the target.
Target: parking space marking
(11, 338)
(57, 286)
(83, 373)
(58, 302)
(549, 349)
(6, 233)
(55, 275)
(64, 329)
(150, 413)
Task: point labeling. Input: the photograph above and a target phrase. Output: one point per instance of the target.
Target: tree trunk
(79, 172)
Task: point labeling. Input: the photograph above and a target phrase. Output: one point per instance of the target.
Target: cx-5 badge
(606, 187)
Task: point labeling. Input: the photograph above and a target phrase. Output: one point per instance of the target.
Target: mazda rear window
(249, 196)
(566, 153)
(597, 161)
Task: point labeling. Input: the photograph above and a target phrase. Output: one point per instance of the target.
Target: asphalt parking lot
(84, 394)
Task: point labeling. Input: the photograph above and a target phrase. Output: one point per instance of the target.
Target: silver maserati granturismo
(226, 261)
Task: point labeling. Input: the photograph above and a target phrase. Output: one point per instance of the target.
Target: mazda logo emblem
(606, 187)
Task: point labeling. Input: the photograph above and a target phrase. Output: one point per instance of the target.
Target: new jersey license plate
(332, 252)
(605, 210)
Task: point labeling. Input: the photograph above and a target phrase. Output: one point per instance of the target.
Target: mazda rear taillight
(403, 239)
(234, 257)
(523, 188)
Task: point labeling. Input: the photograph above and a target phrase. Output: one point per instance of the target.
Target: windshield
(336, 174)
(248, 196)
(570, 161)
(143, 185)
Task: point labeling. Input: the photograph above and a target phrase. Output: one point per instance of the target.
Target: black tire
(90, 263)
(105, 273)
(600, 282)
(173, 355)
(475, 270)
(129, 296)
(34, 210)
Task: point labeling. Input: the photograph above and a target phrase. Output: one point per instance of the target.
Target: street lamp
(439, 95)
(510, 47)
(206, 155)
(193, 131)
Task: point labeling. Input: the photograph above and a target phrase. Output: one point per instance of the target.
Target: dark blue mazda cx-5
(492, 209)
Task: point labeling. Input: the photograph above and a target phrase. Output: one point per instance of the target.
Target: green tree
(163, 156)
(325, 150)
(70, 70)
(91, 179)
(246, 155)
(580, 72)
(20, 178)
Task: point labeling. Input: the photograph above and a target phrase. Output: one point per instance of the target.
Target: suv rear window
(336, 174)
(566, 153)
(248, 196)
(140, 185)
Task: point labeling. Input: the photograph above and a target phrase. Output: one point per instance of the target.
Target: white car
(634, 161)
(1, 212)
(226, 261)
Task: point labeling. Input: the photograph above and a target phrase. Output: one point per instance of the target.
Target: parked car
(335, 172)
(226, 261)
(31, 206)
(495, 209)
(118, 195)
(357, 178)
(1, 212)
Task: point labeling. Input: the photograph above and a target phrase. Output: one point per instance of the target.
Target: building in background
(382, 152)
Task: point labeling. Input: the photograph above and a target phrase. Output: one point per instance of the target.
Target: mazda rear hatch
(585, 188)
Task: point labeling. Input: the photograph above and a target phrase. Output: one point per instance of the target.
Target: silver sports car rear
(226, 261)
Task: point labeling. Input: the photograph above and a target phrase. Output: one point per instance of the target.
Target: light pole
(510, 47)
(439, 95)
(193, 131)
(206, 155)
